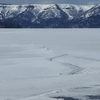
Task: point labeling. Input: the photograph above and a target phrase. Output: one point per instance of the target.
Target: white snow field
(43, 64)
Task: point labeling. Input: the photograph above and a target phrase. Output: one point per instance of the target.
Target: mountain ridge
(49, 15)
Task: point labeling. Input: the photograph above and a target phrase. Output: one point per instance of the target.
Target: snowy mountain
(74, 10)
(91, 12)
(48, 15)
(90, 18)
(8, 11)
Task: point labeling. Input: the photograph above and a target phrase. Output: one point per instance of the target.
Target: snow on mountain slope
(73, 10)
(70, 9)
(91, 12)
(51, 15)
(8, 11)
(53, 11)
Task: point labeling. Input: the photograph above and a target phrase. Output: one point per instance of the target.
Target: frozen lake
(44, 64)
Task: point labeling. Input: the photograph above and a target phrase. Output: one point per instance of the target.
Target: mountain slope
(9, 25)
(88, 19)
(95, 10)
(9, 11)
(74, 10)
(51, 15)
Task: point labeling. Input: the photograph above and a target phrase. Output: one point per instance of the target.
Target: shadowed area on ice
(66, 98)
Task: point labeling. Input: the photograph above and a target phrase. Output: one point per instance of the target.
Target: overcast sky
(79, 2)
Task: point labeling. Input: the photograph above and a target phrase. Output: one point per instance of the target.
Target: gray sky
(81, 2)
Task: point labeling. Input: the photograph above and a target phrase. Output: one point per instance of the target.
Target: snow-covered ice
(39, 64)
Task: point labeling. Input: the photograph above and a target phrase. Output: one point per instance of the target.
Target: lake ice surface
(38, 64)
